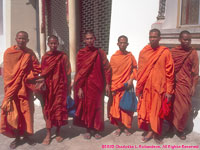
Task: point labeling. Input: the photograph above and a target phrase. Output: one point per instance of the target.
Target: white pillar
(41, 34)
(72, 9)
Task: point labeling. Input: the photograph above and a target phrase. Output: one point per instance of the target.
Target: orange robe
(93, 70)
(186, 75)
(56, 69)
(124, 67)
(19, 67)
(155, 78)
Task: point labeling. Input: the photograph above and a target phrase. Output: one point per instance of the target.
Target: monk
(56, 70)
(186, 64)
(21, 67)
(155, 81)
(93, 71)
(124, 70)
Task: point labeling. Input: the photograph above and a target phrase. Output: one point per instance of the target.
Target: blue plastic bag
(71, 106)
(129, 100)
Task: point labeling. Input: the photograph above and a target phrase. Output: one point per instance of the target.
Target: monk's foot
(46, 140)
(29, 141)
(181, 135)
(117, 132)
(147, 137)
(170, 133)
(87, 135)
(97, 136)
(59, 139)
(158, 140)
(127, 133)
(15, 143)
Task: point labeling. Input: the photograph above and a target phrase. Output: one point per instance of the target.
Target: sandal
(14, 143)
(87, 136)
(117, 132)
(127, 133)
(59, 139)
(46, 141)
(97, 136)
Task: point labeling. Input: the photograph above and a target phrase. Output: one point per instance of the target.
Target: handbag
(71, 106)
(129, 100)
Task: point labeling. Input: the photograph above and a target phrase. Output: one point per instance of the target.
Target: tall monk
(155, 81)
(186, 64)
(21, 67)
(56, 70)
(92, 72)
(124, 70)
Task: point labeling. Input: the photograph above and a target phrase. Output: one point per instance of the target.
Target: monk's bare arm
(195, 71)
(107, 71)
(169, 74)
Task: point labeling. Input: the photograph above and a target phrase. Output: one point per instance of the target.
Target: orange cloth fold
(186, 74)
(20, 67)
(56, 70)
(124, 67)
(155, 78)
(93, 70)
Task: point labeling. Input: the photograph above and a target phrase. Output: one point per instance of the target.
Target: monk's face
(154, 39)
(89, 40)
(53, 44)
(122, 43)
(185, 41)
(22, 40)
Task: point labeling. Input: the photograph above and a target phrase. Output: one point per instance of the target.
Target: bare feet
(147, 137)
(97, 136)
(127, 133)
(117, 132)
(15, 143)
(46, 140)
(59, 139)
(87, 135)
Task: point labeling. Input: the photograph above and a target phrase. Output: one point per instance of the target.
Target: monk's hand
(130, 83)
(80, 93)
(108, 90)
(168, 96)
(192, 90)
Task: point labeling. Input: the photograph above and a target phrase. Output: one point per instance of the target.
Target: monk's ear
(27, 40)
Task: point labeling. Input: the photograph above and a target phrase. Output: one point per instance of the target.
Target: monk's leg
(16, 142)
(120, 128)
(88, 134)
(97, 134)
(47, 139)
(59, 139)
(148, 136)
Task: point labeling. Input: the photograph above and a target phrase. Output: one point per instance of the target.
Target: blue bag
(70, 106)
(129, 100)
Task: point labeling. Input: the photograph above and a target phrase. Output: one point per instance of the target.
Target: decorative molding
(161, 12)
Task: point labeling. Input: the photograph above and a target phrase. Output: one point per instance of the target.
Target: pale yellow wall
(23, 17)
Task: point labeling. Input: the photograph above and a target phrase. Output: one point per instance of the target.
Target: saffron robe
(186, 76)
(92, 71)
(56, 69)
(20, 67)
(155, 78)
(124, 67)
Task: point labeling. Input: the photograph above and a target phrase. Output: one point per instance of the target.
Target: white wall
(132, 18)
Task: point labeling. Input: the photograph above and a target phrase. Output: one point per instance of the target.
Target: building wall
(24, 17)
(96, 15)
